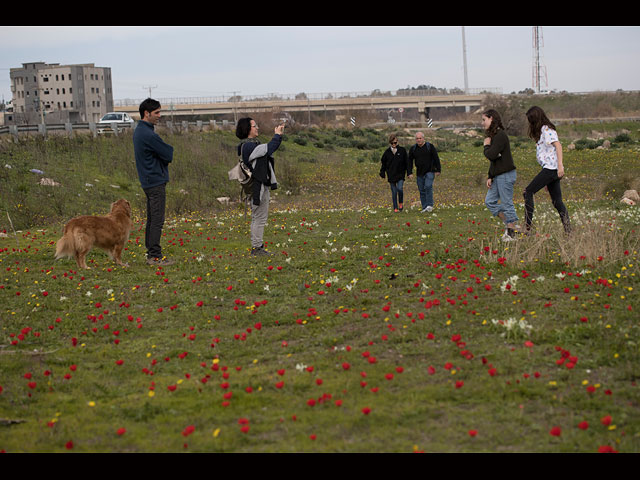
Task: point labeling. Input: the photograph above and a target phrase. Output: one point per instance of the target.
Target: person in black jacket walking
(425, 157)
(395, 164)
(502, 173)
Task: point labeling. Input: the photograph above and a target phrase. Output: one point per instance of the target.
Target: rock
(628, 201)
(48, 182)
(571, 146)
(223, 200)
(606, 144)
(631, 195)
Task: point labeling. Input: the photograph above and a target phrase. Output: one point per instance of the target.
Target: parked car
(122, 119)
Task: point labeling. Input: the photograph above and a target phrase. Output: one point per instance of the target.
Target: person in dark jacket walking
(259, 158)
(395, 164)
(153, 157)
(425, 157)
(502, 173)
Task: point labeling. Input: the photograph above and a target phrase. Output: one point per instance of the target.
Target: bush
(622, 138)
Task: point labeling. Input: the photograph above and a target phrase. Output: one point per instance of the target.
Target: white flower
(509, 281)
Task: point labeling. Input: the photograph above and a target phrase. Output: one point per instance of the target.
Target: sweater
(499, 154)
(395, 166)
(152, 155)
(425, 158)
(260, 161)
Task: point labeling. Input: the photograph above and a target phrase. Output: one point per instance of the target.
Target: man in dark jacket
(425, 156)
(395, 164)
(153, 157)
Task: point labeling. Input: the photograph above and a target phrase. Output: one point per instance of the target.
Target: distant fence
(184, 126)
(98, 129)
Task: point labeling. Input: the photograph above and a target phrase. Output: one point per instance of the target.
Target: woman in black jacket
(395, 163)
(502, 172)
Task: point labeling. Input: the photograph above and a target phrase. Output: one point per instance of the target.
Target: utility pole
(149, 87)
(464, 61)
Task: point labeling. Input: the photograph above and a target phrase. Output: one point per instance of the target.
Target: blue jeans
(499, 198)
(425, 187)
(397, 194)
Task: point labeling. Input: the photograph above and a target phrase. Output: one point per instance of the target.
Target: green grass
(384, 328)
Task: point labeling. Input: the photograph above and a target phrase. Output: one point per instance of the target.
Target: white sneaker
(506, 237)
(427, 209)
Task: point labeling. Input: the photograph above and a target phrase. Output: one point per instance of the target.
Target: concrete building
(60, 93)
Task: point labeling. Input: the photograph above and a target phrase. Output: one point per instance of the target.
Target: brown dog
(110, 233)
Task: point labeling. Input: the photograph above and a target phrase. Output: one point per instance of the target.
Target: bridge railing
(128, 102)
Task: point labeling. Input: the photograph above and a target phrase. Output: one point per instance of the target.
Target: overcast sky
(213, 61)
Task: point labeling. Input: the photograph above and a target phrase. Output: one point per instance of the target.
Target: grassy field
(365, 331)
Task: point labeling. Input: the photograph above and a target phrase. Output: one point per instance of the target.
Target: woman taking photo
(502, 173)
(258, 157)
(549, 156)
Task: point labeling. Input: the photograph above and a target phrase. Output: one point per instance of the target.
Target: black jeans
(546, 178)
(156, 199)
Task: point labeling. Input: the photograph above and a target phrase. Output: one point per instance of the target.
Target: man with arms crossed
(153, 157)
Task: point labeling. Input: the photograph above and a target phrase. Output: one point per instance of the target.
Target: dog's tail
(66, 245)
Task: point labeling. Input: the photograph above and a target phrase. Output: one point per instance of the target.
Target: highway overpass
(276, 105)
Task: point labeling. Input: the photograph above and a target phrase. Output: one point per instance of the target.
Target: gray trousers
(259, 215)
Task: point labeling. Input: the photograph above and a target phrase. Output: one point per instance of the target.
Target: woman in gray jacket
(258, 157)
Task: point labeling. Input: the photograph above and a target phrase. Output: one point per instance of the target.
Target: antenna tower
(539, 70)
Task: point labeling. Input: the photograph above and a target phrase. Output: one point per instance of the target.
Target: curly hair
(496, 122)
(537, 119)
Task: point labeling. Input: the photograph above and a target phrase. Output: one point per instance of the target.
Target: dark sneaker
(160, 262)
(259, 252)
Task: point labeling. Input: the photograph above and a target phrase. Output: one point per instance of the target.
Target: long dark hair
(496, 122)
(537, 119)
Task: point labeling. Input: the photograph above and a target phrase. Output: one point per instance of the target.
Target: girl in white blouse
(549, 156)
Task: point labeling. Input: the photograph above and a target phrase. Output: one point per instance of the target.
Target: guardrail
(185, 126)
(97, 128)
(44, 128)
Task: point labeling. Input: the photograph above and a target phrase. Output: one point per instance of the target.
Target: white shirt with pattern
(545, 150)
